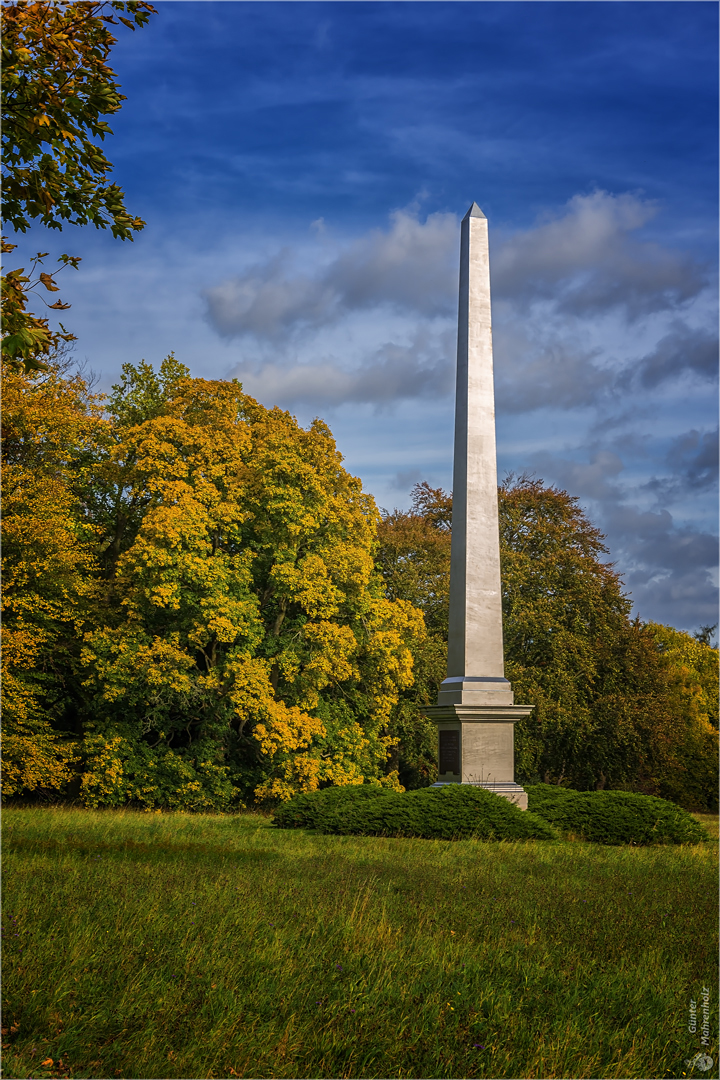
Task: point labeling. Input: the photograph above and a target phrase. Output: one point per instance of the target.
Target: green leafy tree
(609, 708)
(56, 91)
(613, 705)
(563, 609)
(413, 557)
(27, 338)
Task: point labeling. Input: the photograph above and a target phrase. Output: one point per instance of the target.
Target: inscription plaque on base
(449, 752)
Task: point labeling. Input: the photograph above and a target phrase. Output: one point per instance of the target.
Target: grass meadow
(165, 945)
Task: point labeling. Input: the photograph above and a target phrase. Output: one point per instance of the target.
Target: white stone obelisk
(475, 713)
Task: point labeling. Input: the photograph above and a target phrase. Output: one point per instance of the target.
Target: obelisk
(475, 714)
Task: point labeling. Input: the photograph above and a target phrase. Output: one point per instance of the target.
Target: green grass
(711, 823)
(147, 945)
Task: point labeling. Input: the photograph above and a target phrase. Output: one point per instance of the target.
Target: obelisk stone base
(476, 745)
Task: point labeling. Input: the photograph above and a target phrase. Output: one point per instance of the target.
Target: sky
(303, 169)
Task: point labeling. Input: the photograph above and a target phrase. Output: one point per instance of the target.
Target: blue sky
(303, 169)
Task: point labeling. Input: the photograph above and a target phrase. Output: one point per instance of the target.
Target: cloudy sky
(303, 169)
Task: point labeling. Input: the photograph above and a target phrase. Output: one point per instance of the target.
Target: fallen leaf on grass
(47, 1061)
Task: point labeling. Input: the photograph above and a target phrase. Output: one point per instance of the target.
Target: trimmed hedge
(454, 812)
(614, 817)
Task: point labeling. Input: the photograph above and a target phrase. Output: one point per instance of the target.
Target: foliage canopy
(56, 90)
(222, 633)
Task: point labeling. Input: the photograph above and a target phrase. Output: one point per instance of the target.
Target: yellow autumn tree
(245, 646)
(688, 770)
(694, 667)
(50, 425)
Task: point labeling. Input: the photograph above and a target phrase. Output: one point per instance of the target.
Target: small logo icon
(700, 1061)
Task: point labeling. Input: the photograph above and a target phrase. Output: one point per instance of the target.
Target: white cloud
(576, 299)
(413, 265)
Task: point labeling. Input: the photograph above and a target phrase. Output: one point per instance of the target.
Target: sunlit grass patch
(181, 946)
(711, 822)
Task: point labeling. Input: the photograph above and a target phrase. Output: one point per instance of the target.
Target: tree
(56, 89)
(50, 424)
(413, 557)
(199, 571)
(563, 610)
(609, 710)
(705, 634)
(688, 772)
(245, 641)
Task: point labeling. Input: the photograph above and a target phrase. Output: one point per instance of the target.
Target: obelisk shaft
(475, 714)
(475, 645)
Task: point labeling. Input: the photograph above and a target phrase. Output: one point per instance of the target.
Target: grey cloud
(591, 480)
(561, 293)
(554, 376)
(406, 480)
(587, 262)
(395, 373)
(651, 538)
(693, 460)
(671, 581)
(686, 600)
(667, 567)
(648, 540)
(696, 456)
(683, 349)
(412, 267)
(583, 263)
(266, 301)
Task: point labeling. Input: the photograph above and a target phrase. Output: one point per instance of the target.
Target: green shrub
(453, 812)
(614, 817)
(310, 810)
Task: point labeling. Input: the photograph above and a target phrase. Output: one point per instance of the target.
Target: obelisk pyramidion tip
(474, 211)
